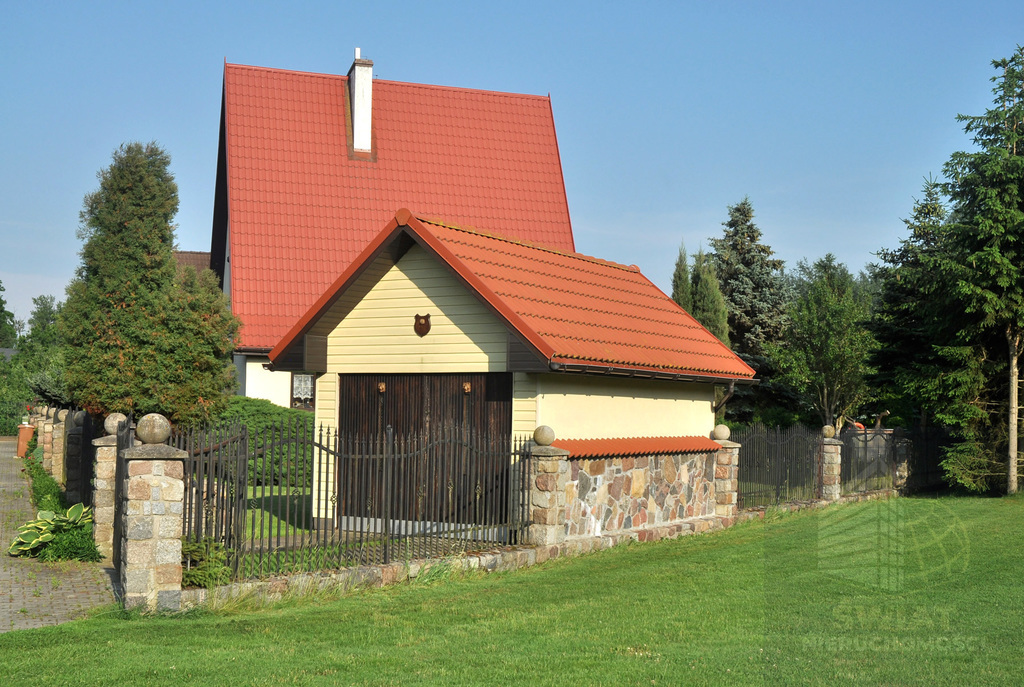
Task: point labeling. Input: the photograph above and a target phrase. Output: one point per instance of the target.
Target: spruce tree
(708, 303)
(752, 282)
(135, 339)
(986, 265)
(681, 292)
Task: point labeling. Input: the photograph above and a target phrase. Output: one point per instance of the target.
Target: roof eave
(641, 373)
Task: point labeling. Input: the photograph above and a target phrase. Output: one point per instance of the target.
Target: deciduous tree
(827, 345)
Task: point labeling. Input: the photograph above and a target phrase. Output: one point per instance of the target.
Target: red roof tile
(574, 310)
(636, 446)
(301, 208)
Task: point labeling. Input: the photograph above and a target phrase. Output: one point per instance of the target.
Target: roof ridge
(344, 77)
(526, 244)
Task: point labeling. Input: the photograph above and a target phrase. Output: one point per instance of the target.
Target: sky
(828, 116)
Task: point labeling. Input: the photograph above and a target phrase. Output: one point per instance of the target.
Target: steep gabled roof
(295, 205)
(573, 311)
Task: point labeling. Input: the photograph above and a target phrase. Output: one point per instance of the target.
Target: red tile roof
(301, 207)
(636, 446)
(575, 311)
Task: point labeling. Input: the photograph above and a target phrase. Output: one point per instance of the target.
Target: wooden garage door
(413, 403)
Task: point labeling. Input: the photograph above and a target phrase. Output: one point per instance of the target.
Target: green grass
(274, 510)
(902, 592)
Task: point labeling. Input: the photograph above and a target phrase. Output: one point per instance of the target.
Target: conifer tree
(708, 303)
(681, 293)
(751, 281)
(986, 263)
(135, 339)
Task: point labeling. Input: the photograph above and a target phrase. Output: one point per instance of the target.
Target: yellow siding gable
(377, 334)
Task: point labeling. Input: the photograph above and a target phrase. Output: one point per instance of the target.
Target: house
(435, 324)
(311, 166)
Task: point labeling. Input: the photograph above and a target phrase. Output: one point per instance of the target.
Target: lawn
(909, 591)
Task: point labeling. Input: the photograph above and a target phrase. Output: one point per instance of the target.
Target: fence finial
(153, 428)
(543, 435)
(828, 431)
(721, 433)
(112, 421)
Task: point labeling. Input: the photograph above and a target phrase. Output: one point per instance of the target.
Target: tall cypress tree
(135, 338)
(708, 303)
(681, 292)
(752, 282)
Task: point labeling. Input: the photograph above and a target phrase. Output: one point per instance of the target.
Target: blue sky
(827, 115)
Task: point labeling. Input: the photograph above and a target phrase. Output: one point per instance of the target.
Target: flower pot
(25, 433)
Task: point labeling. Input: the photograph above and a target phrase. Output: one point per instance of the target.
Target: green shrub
(76, 544)
(204, 563)
(46, 491)
(272, 424)
(35, 535)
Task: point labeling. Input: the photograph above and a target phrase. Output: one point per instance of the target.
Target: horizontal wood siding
(376, 334)
(325, 411)
(524, 403)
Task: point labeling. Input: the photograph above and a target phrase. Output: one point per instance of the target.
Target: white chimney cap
(357, 53)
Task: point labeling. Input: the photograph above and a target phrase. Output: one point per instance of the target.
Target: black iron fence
(777, 465)
(125, 440)
(289, 499)
(869, 458)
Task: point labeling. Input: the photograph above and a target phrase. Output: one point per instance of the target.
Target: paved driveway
(34, 594)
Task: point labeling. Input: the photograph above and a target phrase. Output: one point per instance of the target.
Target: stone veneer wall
(612, 495)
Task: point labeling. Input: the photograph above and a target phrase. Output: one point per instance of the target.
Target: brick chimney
(360, 95)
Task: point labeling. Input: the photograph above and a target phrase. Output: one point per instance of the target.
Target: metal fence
(923, 453)
(869, 458)
(777, 465)
(289, 499)
(125, 440)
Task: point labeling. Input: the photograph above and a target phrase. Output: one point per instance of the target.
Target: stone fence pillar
(57, 437)
(831, 464)
(46, 440)
(103, 485)
(727, 461)
(547, 489)
(151, 541)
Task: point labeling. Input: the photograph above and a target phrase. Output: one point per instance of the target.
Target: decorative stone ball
(153, 429)
(828, 431)
(721, 432)
(62, 415)
(78, 418)
(543, 435)
(112, 421)
(49, 412)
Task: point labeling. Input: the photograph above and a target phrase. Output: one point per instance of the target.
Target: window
(303, 390)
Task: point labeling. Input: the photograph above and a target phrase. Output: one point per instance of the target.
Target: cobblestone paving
(32, 593)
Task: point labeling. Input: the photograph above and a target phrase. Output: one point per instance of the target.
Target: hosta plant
(34, 535)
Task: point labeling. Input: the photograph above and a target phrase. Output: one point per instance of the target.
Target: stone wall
(612, 495)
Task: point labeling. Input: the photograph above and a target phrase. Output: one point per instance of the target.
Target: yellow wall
(275, 387)
(524, 403)
(378, 336)
(582, 407)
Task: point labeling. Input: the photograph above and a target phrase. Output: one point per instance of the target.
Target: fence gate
(215, 483)
(777, 465)
(869, 458)
(288, 499)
